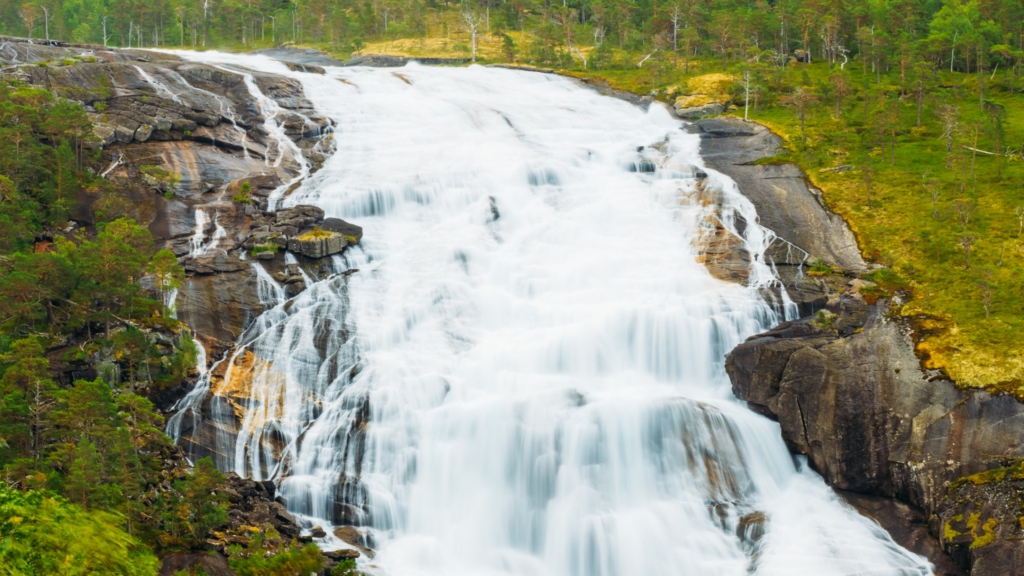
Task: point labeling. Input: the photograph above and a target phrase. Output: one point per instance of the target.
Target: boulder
(299, 217)
(317, 245)
(143, 132)
(303, 68)
(345, 554)
(281, 514)
(849, 393)
(353, 537)
(351, 232)
(709, 109)
(211, 564)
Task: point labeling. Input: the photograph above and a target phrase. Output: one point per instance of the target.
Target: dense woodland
(921, 98)
(79, 461)
(964, 36)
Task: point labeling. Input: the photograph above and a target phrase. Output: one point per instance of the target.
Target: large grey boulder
(316, 245)
(850, 394)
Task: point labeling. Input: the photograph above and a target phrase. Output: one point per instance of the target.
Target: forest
(908, 114)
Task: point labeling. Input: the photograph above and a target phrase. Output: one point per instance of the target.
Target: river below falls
(526, 374)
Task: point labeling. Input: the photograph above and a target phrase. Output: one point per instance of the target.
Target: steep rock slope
(849, 393)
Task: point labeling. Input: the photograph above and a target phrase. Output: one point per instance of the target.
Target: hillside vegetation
(918, 97)
(907, 113)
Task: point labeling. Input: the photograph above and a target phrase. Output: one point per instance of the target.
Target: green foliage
(160, 177)
(42, 151)
(243, 196)
(345, 568)
(824, 319)
(194, 510)
(291, 559)
(259, 248)
(44, 534)
(169, 276)
(109, 268)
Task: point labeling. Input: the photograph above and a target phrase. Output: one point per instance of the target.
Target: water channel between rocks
(526, 374)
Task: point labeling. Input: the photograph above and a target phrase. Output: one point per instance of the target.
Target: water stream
(526, 374)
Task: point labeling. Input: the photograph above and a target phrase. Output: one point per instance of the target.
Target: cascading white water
(526, 374)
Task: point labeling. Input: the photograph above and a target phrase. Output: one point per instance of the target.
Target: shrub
(345, 568)
(45, 534)
(264, 248)
(243, 196)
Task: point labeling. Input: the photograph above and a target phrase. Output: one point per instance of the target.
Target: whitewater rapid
(525, 376)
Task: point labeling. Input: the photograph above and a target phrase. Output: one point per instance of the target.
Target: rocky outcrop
(252, 505)
(303, 56)
(848, 392)
(786, 204)
(384, 61)
(702, 111)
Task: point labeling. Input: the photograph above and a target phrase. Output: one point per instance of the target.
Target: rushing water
(526, 374)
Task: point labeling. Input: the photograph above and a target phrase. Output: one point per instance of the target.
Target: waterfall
(525, 376)
(161, 89)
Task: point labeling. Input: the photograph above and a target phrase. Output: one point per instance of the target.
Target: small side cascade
(275, 129)
(160, 87)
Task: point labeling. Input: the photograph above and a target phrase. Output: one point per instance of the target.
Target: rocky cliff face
(183, 142)
(851, 396)
(849, 393)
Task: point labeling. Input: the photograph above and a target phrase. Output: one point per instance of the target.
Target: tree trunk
(921, 103)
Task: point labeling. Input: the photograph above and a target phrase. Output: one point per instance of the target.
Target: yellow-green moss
(1013, 472)
(949, 532)
(988, 535)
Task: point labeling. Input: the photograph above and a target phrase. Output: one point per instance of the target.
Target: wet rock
(220, 306)
(353, 537)
(852, 397)
(785, 203)
(317, 532)
(347, 514)
(300, 56)
(303, 68)
(378, 61)
(907, 526)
